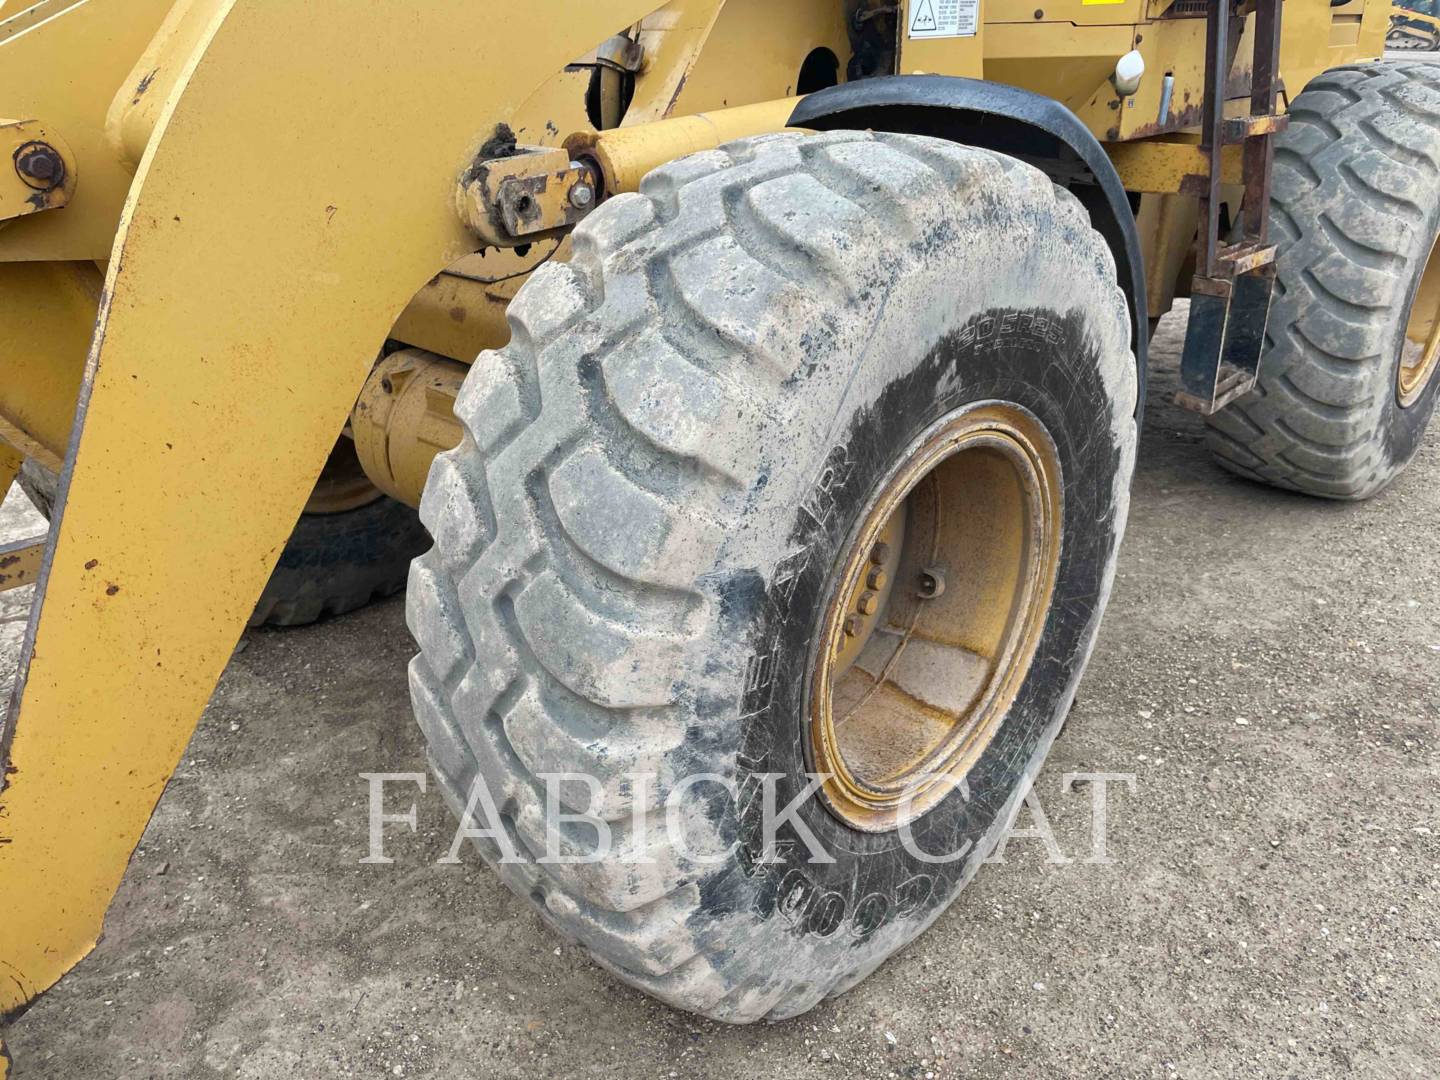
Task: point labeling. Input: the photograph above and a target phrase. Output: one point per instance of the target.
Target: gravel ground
(1268, 671)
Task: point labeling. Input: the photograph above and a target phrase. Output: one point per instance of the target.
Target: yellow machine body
(256, 196)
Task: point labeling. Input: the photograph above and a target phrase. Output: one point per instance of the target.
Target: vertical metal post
(1260, 151)
(1212, 131)
(1230, 294)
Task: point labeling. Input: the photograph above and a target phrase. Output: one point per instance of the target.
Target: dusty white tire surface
(632, 540)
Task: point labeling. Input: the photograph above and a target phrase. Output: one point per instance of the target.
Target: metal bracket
(1230, 294)
(526, 194)
(1222, 344)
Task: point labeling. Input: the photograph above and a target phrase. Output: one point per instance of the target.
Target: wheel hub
(1421, 348)
(343, 484)
(937, 609)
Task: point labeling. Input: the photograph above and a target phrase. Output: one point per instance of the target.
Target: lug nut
(880, 552)
(877, 579)
(867, 603)
(852, 625)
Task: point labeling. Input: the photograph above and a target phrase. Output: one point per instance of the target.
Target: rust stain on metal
(20, 563)
(1187, 116)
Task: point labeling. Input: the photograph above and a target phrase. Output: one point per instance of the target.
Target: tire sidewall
(1048, 362)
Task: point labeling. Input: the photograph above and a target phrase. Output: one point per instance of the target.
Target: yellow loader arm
(296, 192)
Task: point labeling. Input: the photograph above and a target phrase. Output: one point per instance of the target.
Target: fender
(1025, 125)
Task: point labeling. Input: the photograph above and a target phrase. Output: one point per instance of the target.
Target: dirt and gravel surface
(1269, 671)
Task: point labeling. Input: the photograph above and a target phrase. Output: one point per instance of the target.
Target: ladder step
(1242, 258)
(1224, 340)
(1240, 128)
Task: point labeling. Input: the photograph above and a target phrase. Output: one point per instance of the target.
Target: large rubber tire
(634, 537)
(1355, 210)
(332, 563)
(339, 562)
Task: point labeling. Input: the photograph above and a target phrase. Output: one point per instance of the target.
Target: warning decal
(943, 18)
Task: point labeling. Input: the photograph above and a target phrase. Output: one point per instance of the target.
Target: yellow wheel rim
(938, 607)
(1421, 348)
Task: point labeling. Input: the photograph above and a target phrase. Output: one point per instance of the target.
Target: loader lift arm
(246, 296)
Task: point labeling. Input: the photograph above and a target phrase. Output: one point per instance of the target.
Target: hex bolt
(867, 603)
(877, 579)
(582, 194)
(852, 625)
(40, 165)
(880, 553)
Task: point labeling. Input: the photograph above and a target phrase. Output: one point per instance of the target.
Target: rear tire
(1355, 210)
(660, 476)
(338, 562)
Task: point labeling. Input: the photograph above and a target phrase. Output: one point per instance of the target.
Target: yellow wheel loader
(766, 378)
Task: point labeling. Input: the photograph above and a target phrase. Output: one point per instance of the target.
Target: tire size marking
(1011, 324)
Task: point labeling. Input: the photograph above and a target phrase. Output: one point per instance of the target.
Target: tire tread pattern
(1357, 178)
(501, 688)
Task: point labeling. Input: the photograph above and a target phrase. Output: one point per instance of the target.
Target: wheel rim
(938, 606)
(343, 484)
(1421, 349)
